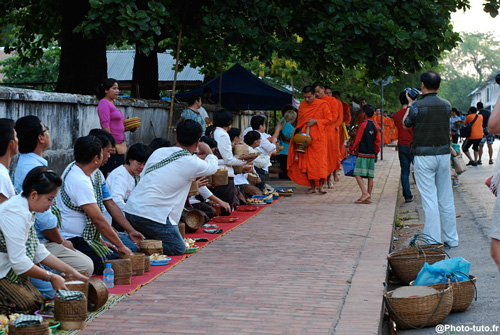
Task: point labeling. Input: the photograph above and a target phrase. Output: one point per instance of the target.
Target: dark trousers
(80, 245)
(282, 160)
(405, 159)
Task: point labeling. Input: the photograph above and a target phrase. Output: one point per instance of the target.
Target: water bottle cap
(108, 265)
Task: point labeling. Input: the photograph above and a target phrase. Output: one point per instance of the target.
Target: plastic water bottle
(109, 276)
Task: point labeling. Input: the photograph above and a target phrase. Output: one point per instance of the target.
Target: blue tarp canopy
(241, 90)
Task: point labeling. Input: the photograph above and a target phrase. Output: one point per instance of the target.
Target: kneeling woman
(20, 251)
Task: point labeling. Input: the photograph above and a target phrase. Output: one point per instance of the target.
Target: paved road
(474, 203)
(309, 264)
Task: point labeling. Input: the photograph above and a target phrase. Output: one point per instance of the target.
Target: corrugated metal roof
(121, 65)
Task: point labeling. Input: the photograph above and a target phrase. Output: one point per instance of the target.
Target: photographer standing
(429, 118)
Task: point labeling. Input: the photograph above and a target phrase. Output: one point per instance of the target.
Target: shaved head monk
(310, 168)
(332, 131)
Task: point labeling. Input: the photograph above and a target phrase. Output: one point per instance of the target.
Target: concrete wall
(70, 116)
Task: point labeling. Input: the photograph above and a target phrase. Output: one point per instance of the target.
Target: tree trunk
(83, 61)
(145, 76)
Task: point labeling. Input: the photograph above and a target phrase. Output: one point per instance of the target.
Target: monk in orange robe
(377, 118)
(346, 119)
(387, 128)
(332, 131)
(311, 168)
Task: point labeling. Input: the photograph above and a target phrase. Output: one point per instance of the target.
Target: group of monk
(390, 131)
(323, 116)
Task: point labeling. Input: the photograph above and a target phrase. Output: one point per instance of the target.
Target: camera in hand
(413, 93)
(497, 78)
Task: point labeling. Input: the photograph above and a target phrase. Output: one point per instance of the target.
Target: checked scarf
(31, 245)
(175, 156)
(90, 233)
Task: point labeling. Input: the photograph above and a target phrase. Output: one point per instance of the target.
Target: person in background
(206, 98)
(122, 180)
(20, 251)
(405, 137)
(284, 131)
(8, 149)
(455, 123)
(487, 137)
(475, 136)
(192, 111)
(159, 142)
(112, 121)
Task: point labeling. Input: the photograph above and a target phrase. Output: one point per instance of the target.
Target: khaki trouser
(76, 259)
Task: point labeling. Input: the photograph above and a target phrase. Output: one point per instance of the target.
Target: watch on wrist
(49, 276)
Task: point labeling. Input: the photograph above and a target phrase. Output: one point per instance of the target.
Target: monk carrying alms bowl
(302, 140)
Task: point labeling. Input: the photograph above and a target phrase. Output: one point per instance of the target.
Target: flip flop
(359, 201)
(367, 201)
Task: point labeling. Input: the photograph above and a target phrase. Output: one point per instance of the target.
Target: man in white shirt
(81, 212)
(8, 149)
(34, 139)
(155, 206)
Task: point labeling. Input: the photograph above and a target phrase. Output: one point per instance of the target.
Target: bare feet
(329, 181)
(336, 176)
(322, 191)
(311, 190)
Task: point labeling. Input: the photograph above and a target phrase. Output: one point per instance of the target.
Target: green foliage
(456, 89)
(44, 70)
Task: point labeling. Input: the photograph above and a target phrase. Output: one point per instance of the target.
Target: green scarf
(90, 233)
(175, 156)
(31, 246)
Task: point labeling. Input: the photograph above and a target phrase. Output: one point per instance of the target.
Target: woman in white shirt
(122, 180)
(20, 250)
(223, 121)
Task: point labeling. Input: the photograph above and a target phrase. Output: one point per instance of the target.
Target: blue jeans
(125, 240)
(405, 159)
(80, 244)
(432, 174)
(44, 287)
(172, 241)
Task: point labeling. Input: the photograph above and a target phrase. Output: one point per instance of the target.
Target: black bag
(466, 129)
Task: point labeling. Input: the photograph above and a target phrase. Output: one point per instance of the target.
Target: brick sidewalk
(309, 264)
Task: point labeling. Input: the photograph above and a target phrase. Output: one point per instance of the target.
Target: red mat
(139, 281)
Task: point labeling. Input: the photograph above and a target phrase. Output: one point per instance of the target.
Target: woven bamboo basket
(194, 220)
(71, 313)
(463, 293)
(220, 178)
(147, 263)
(193, 190)
(238, 169)
(415, 312)
(98, 294)
(150, 247)
(240, 149)
(137, 260)
(252, 178)
(122, 269)
(210, 181)
(407, 263)
(78, 285)
(42, 329)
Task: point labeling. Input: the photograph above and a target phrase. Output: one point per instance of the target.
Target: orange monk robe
(332, 133)
(378, 120)
(346, 111)
(387, 130)
(311, 165)
(338, 134)
(394, 131)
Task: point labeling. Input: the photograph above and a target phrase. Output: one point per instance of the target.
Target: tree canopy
(324, 38)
